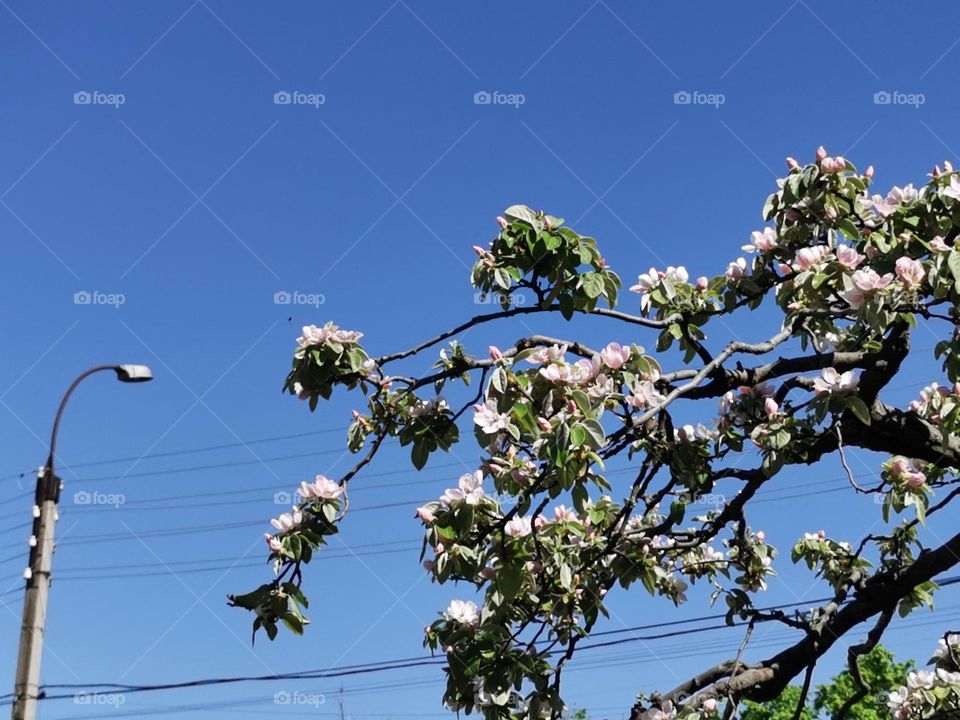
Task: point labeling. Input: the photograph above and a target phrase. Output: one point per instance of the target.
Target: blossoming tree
(850, 273)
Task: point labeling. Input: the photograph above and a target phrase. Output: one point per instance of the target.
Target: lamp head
(133, 373)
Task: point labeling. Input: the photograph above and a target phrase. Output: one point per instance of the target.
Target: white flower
(920, 679)
(434, 405)
(676, 275)
(602, 387)
(489, 420)
(554, 353)
(666, 711)
(902, 196)
(952, 190)
(831, 381)
(464, 612)
(646, 282)
(469, 490)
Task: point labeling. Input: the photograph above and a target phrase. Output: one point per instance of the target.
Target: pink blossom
(676, 275)
(614, 355)
(495, 354)
(702, 283)
(882, 207)
(903, 196)
(544, 423)
(832, 381)
(910, 272)
(792, 164)
(761, 241)
(489, 419)
(287, 521)
(469, 490)
(865, 282)
(938, 245)
(425, 514)
(644, 395)
(821, 153)
(646, 282)
(761, 536)
(736, 269)
(770, 406)
(562, 513)
(833, 164)
(868, 173)
(502, 222)
(479, 250)
(710, 705)
(273, 543)
(518, 527)
(807, 258)
(554, 353)
(848, 257)
(322, 488)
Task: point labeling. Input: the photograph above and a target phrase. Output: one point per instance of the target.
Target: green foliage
(880, 672)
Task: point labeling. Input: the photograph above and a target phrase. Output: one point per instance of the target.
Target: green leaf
(953, 262)
(859, 408)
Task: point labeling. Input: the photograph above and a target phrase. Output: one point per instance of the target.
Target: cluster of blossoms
(835, 561)
(327, 356)
(907, 480)
(931, 693)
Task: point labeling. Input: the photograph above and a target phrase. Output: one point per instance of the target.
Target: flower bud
(702, 283)
(761, 535)
(868, 173)
(710, 705)
(502, 222)
(544, 423)
(948, 166)
(495, 354)
(425, 514)
(936, 171)
(426, 629)
(821, 534)
(792, 164)
(478, 250)
(821, 153)
(770, 406)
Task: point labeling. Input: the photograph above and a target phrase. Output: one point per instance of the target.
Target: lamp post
(27, 683)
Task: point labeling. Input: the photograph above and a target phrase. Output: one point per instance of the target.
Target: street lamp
(37, 574)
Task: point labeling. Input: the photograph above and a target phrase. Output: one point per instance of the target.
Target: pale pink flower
(518, 527)
(807, 258)
(502, 222)
(938, 245)
(902, 196)
(868, 173)
(770, 406)
(910, 272)
(562, 513)
(469, 490)
(287, 521)
(882, 207)
(312, 335)
(710, 704)
(602, 387)
(614, 355)
(792, 164)
(865, 282)
(848, 257)
(495, 353)
(736, 269)
(833, 164)
(321, 488)
(644, 395)
(544, 423)
(489, 419)
(554, 353)
(761, 241)
(832, 381)
(273, 543)
(425, 514)
(702, 283)
(821, 153)
(676, 275)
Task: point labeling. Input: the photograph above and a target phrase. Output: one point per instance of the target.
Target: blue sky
(182, 198)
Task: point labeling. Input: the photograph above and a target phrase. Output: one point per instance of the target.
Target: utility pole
(26, 686)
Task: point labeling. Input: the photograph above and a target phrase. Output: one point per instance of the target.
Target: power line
(399, 664)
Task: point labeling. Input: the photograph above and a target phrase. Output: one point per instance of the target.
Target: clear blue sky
(198, 198)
